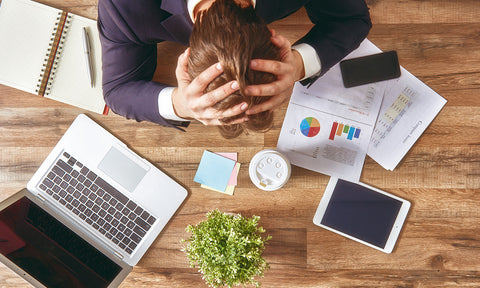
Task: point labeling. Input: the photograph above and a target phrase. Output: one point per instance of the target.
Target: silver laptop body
(104, 192)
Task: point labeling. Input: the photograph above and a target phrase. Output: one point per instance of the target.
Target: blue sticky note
(214, 171)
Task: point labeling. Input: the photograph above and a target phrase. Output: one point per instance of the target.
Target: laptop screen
(49, 251)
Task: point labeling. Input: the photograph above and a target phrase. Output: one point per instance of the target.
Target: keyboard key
(83, 199)
(132, 245)
(84, 171)
(121, 227)
(142, 224)
(130, 225)
(124, 220)
(81, 178)
(117, 215)
(151, 220)
(113, 202)
(64, 166)
(67, 177)
(145, 215)
(139, 231)
(111, 190)
(64, 185)
(87, 183)
(115, 222)
(135, 238)
(77, 194)
(47, 182)
(59, 171)
(131, 205)
(73, 182)
(138, 210)
(91, 176)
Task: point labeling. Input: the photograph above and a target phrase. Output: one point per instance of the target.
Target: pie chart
(310, 127)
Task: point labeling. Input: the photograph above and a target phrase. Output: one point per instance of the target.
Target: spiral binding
(54, 51)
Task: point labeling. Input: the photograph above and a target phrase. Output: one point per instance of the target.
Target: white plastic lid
(269, 170)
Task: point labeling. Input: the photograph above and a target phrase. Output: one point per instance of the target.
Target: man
(233, 35)
(130, 30)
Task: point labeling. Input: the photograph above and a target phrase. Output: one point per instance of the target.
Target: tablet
(362, 213)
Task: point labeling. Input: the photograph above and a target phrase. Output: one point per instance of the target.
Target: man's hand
(190, 101)
(288, 70)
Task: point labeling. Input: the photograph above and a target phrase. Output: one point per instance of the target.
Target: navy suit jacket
(129, 31)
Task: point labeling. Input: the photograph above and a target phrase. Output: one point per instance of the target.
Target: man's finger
(203, 79)
(233, 111)
(211, 98)
(270, 89)
(272, 103)
(270, 66)
(182, 66)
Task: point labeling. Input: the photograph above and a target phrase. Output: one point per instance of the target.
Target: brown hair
(234, 35)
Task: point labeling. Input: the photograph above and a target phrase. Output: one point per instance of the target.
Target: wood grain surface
(436, 40)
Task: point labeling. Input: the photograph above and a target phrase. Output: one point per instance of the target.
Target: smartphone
(369, 69)
(362, 213)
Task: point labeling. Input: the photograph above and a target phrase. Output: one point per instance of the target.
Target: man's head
(233, 35)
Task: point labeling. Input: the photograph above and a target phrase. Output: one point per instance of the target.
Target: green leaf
(227, 249)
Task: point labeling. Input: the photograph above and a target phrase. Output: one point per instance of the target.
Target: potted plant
(227, 249)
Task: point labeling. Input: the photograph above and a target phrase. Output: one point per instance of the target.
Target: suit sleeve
(128, 66)
(340, 27)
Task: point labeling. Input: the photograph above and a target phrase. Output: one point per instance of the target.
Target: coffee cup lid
(269, 170)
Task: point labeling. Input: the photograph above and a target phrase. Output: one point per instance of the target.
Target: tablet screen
(361, 212)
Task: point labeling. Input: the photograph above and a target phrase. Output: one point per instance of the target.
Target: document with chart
(327, 127)
(409, 106)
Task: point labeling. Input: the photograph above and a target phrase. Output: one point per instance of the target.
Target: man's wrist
(311, 62)
(166, 105)
(299, 65)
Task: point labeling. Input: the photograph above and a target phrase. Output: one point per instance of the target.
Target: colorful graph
(310, 127)
(339, 128)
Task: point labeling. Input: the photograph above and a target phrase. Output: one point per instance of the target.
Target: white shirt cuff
(165, 105)
(311, 61)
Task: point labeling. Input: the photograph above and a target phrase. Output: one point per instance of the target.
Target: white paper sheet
(327, 127)
(409, 106)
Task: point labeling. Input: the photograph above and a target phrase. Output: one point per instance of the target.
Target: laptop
(88, 214)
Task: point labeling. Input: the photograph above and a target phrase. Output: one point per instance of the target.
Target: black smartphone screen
(369, 69)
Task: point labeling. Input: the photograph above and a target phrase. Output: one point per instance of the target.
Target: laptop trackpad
(122, 169)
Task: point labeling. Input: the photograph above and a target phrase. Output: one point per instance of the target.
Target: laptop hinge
(41, 197)
(118, 254)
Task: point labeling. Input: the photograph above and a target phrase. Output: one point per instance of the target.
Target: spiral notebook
(41, 52)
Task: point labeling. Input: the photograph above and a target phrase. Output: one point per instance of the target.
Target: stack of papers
(218, 172)
(330, 129)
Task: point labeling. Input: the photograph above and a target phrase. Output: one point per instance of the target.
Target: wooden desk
(436, 40)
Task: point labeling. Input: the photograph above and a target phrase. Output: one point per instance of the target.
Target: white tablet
(362, 213)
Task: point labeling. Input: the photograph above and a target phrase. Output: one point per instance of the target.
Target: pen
(87, 50)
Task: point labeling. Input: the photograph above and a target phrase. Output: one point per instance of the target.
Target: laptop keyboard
(97, 203)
